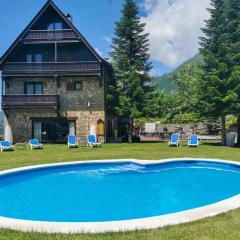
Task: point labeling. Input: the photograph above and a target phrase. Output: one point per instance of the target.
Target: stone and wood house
(54, 82)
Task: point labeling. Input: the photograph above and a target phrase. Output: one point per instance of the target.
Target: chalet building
(54, 82)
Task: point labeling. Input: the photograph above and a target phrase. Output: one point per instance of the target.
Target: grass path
(225, 226)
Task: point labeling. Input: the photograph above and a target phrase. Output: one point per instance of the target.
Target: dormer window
(55, 26)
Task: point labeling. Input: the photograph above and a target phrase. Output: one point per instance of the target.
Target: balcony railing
(50, 35)
(51, 67)
(30, 101)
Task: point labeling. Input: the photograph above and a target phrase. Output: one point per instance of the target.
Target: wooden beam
(98, 74)
(55, 44)
(48, 42)
(2, 85)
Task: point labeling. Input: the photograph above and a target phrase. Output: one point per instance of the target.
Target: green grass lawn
(224, 226)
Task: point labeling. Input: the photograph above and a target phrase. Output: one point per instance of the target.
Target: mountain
(166, 81)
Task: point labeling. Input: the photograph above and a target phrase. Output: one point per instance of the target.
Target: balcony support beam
(2, 85)
(50, 42)
(55, 45)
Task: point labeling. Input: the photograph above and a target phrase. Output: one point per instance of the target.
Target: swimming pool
(100, 193)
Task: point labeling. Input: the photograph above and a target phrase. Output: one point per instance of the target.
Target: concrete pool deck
(126, 225)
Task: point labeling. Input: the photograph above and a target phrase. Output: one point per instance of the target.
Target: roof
(39, 14)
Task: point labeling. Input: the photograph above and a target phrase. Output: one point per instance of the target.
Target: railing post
(55, 45)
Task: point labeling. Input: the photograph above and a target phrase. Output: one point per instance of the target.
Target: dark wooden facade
(51, 44)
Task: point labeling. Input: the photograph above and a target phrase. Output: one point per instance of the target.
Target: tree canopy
(207, 88)
(131, 63)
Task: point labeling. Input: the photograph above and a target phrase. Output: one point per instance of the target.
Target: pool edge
(125, 225)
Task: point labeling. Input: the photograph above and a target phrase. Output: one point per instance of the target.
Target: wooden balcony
(45, 35)
(30, 101)
(51, 68)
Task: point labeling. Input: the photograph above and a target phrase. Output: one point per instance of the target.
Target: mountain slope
(166, 81)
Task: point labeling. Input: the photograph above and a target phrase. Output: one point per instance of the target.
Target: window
(29, 58)
(55, 26)
(77, 86)
(58, 26)
(38, 88)
(74, 85)
(29, 89)
(33, 88)
(38, 58)
(51, 27)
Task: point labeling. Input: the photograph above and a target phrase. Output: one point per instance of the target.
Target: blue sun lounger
(34, 144)
(193, 141)
(5, 145)
(92, 141)
(72, 141)
(174, 140)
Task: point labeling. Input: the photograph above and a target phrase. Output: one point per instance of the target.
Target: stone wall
(92, 91)
(73, 104)
(16, 85)
(84, 121)
(21, 123)
(76, 104)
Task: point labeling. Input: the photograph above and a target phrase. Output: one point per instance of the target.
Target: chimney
(69, 17)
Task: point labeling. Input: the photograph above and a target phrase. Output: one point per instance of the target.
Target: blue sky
(174, 25)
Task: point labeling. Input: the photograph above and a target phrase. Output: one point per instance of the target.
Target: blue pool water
(115, 191)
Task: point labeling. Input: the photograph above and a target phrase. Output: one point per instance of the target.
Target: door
(52, 130)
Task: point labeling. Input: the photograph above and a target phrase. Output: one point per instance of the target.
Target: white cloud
(107, 39)
(99, 51)
(174, 27)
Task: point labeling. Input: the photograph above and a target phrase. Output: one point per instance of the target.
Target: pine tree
(131, 63)
(213, 85)
(233, 57)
